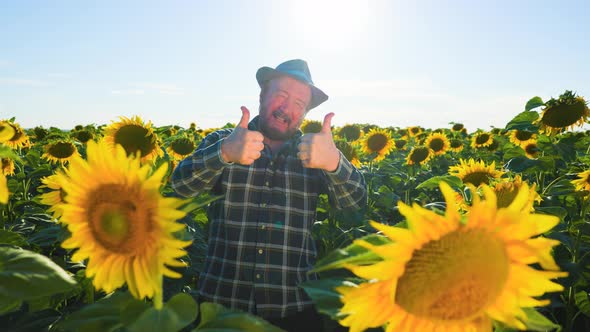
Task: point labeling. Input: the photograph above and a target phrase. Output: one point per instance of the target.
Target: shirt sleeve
(346, 186)
(200, 171)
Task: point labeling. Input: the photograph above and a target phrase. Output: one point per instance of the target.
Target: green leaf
(557, 211)
(583, 302)
(104, 315)
(12, 238)
(26, 275)
(352, 254)
(178, 312)
(215, 317)
(524, 121)
(537, 322)
(7, 152)
(434, 182)
(9, 304)
(534, 103)
(324, 295)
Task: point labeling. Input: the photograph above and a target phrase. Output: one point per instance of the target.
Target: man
(270, 175)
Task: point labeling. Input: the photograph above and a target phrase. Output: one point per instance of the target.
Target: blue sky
(392, 63)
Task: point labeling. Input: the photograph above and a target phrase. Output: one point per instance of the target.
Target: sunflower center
(182, 146)
(135, 138)
(400, 143)
(84, 136)
(61, 150)
(436, 144)
(523, 135)
(455, 143)
(454, 277)
(351, 133)
(482, 138)
(377, 142)
(531, 149)
(564, 115)
(419, 155)
(458, 126)
(506, 195)
(312, 127)
(117, 218)
(477, 178)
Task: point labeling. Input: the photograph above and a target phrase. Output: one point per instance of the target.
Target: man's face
(283, 105)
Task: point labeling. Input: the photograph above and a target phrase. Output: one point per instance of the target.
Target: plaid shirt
(260, 245)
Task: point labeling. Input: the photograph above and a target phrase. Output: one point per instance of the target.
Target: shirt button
(262, 227)
(260, 251)
(266, 183)
(257, 276)
(263, 204)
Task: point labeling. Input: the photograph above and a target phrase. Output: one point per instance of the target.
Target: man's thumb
(245, 118)
(326, 126)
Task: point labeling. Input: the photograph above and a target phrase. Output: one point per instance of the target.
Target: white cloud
(23, 82)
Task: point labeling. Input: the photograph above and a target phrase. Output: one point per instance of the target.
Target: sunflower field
(465, 230)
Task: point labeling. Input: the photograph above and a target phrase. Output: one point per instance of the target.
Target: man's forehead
(292, 85)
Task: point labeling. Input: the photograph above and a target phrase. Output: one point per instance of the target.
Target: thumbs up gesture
(318, 150)
(242, 146)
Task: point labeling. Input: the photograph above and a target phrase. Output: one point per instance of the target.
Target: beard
(274, 133)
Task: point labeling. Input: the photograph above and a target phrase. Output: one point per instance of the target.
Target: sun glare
(330, 23)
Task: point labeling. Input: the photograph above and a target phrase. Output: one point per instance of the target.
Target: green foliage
(216, 318)
(25, 275)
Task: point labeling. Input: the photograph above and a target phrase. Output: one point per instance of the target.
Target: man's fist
(318, 150)
(242, 146)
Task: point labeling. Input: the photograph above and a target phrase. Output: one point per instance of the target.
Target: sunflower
(582, 183)
(414, 131)
(494, 146)
(531, 150)
(349, 151)
(400, 144)
(311, 126)
(19, 138)
(350, 132)
(458, 128)
(482, 140)
(135, 136)
(456, 145)
(522, 137)
(180, 148)
(455, 273)
(55, 197)
(420, 155)
(120, 222)
(476, 173)
(563, 113)
(60, 151)
(3, 189)
(6, 131)
(438, 143)
(83, 136)
(378, 141)
(403, 133)
(506, 191)
(7, 166)
(40, 133)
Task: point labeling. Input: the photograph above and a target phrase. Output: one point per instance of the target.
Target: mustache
(282, 115)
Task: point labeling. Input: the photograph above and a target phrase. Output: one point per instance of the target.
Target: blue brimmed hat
(297, 69)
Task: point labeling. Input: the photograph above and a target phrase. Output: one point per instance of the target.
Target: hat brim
(267, 73)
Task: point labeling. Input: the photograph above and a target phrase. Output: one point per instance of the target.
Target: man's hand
(318, 150)
(242, 146)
